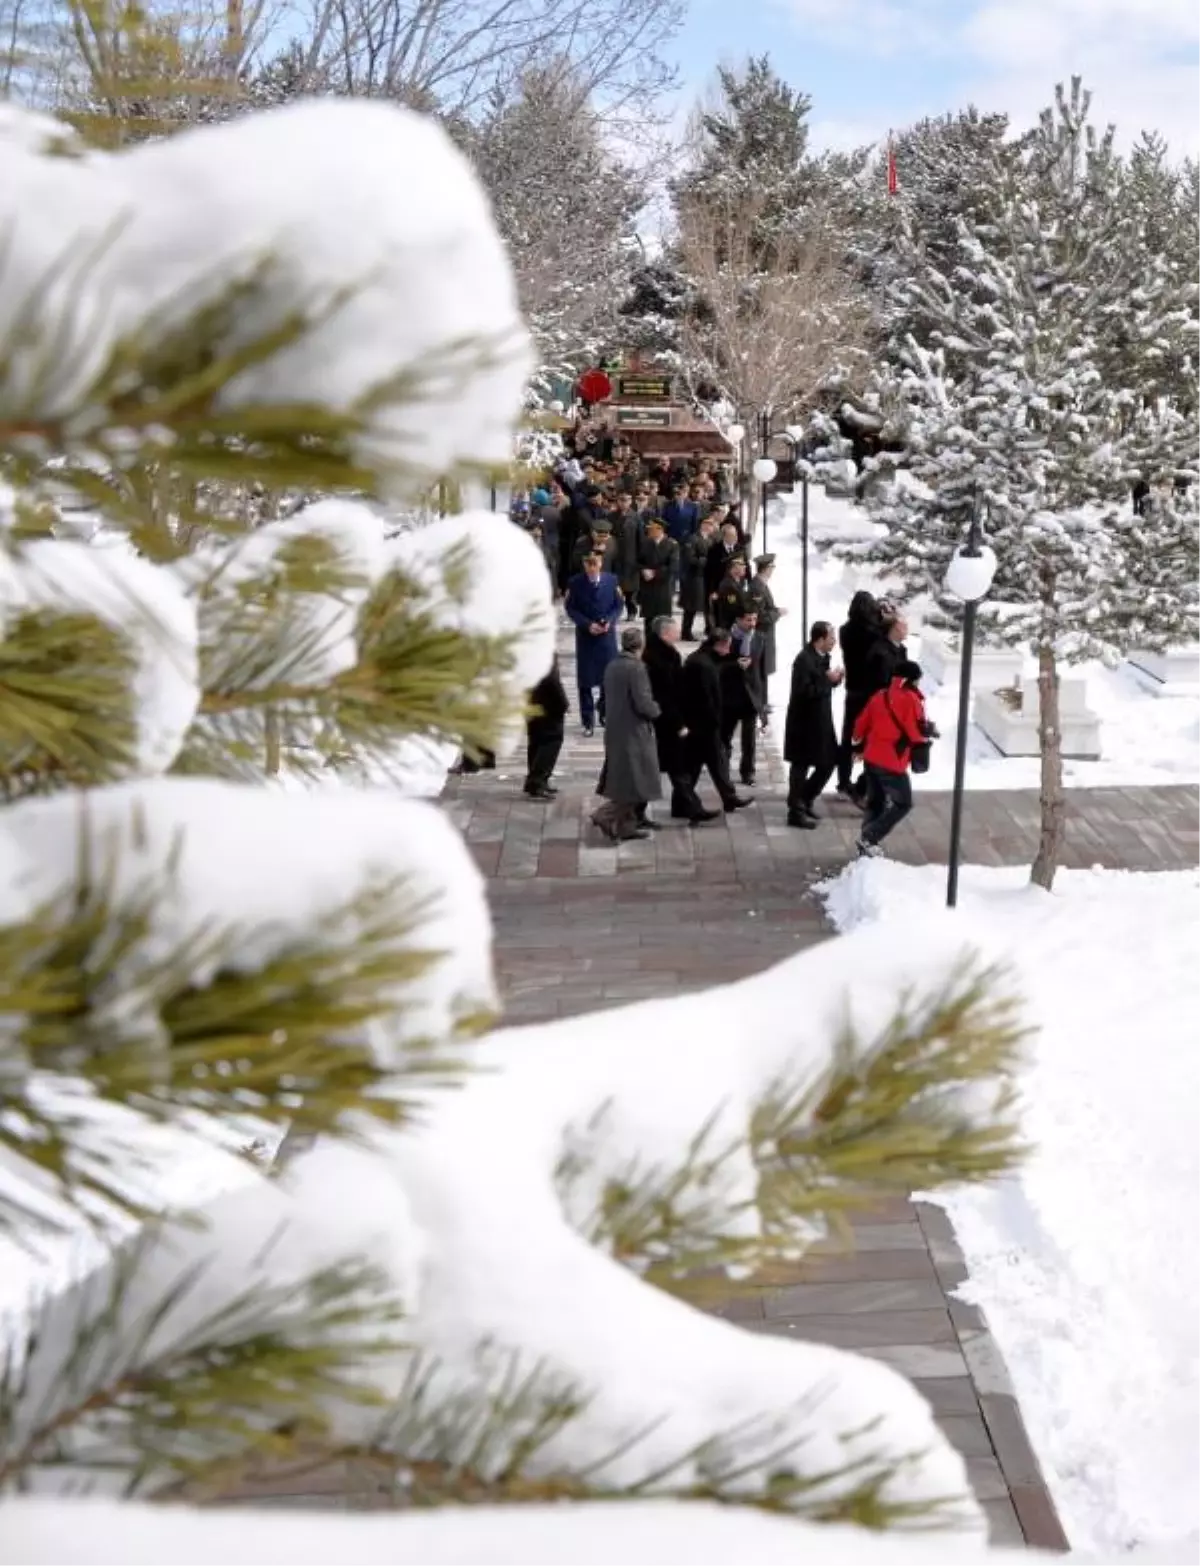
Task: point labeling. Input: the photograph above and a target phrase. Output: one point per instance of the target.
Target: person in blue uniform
(594, 604)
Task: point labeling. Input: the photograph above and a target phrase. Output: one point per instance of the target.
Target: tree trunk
(1053, 799)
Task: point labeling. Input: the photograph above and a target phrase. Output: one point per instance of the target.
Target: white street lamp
(764, 469)
(968, 576)
(735, 434)
(795, 433)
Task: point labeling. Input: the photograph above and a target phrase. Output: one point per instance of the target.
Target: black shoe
(646, 825)
(588, 730)
(640, 835)
(539, 791)
(688, 637)
(748, 781)
(736, 803)
(809, 811)
(701, 816)
(797, 818)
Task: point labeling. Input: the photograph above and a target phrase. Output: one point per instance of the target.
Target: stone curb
(997, 1399)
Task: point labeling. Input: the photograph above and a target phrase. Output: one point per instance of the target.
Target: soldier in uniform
(658, 558)
(599, 541)
(733, 599)
(763, 601)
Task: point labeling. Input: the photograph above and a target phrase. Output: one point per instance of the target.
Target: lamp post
(764, 471)
(968, 576)
(735, 434)
(795, 434)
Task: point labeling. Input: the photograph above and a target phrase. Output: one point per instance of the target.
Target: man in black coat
(701, 692)
(810, 743)
(544, 730)
(665, 668)
(743, 692)
(658, 560)
(693, 599)
(574, 523)
(888, 652)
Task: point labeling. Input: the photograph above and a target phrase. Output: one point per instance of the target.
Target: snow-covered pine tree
(565, 208)
(748, 150)
(1037, 384)
(465, 1295)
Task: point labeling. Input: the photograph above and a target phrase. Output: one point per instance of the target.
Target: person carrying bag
(894, 736)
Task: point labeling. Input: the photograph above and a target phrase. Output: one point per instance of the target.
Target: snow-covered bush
(481, 1292)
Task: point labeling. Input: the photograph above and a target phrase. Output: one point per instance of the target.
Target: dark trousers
(889, 800)
(684, 799)
(544, 738)
(485, 763)
(706, 750)
(855, 702)
(589, 707)
(747, 724)
(805, 784)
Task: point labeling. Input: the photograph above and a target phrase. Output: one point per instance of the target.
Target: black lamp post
(764, 468)
(793, 435)
(968, 577)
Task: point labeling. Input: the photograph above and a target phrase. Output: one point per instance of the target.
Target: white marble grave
(1175, 672)
(991, 667)
(1012, 725)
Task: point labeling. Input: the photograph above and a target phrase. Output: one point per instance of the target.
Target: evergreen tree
(1034, 382)
(192, 961)
(565, 209)
(750, 152)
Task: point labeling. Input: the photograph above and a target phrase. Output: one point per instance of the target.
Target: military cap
(761, 561)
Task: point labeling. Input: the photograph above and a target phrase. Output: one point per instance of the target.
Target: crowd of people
(626, 540)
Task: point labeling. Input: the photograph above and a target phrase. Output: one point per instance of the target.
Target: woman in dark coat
(810, 743)
(860, 634)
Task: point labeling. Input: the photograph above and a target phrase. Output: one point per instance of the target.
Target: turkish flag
(893, 182)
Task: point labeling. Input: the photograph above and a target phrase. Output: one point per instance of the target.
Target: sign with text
(644, 418)
(648, 386)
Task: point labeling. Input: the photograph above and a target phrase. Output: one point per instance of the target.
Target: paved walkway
(581, 925)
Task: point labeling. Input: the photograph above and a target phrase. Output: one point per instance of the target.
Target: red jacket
(878, 729)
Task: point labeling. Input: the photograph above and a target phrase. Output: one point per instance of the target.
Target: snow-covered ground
(1145, 739)
(1086, 1263)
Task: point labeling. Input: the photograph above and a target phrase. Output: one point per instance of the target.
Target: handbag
(919, 758)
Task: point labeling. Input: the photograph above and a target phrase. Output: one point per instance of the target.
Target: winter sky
(872, 64)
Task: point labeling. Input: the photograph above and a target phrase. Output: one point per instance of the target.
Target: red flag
(893, 182)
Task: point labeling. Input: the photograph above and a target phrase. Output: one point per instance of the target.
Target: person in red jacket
(891, 723)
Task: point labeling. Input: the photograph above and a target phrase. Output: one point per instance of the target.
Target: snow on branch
(226, 951)
(394, 313)
(123, 627)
